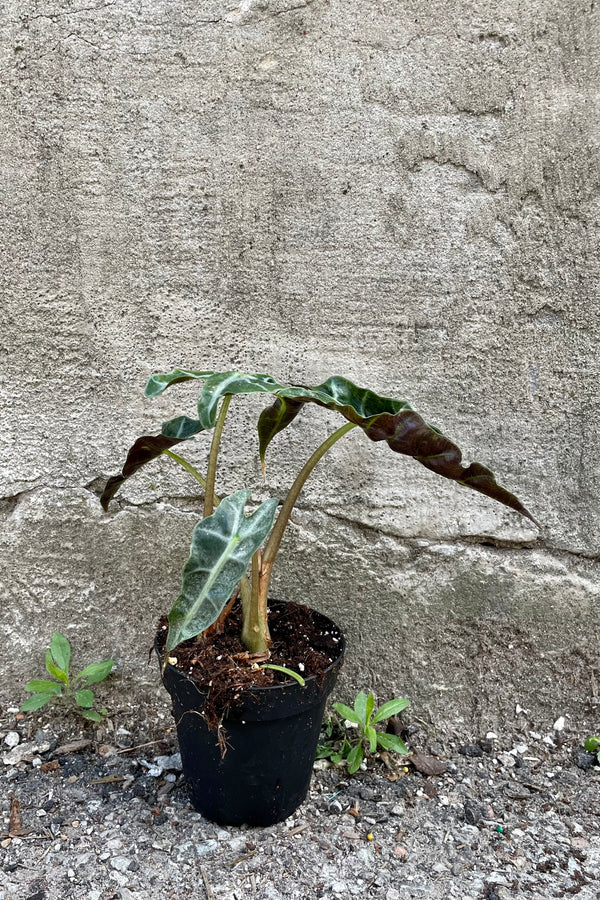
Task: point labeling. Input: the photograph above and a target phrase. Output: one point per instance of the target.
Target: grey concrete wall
(400, 192)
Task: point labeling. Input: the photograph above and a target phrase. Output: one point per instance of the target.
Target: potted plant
(249, 707)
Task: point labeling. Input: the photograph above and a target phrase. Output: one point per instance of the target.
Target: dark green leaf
(51, 686)
(90, 714)
(37, 701)
(324, 751)
(61, 651)
(347, 713)
(96, 671)
(393, 421)
(222, 546)
(181, 428)
(391, 742)
(355, 757)
(84, 698)
(381, 418)
(160, 382)
(274, 419)
(391, 708)
(54, 670)
(144, 450)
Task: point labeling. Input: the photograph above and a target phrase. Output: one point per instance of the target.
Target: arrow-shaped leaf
(222, 546)
(145, 449)
(381, 418)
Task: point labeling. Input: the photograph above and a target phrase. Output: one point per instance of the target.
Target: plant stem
(255, 630)
(272, 545)
(211, 472)
(187, 466)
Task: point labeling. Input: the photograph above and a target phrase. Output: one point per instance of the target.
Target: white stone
(205, 848)
(24, 752)
(12, 739)
(120, 863)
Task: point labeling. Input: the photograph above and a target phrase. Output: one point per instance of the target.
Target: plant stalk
(187, 466)
(255, 629)
(272, 546)
(211, 472)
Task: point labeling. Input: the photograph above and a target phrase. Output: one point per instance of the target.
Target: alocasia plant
(225, 541)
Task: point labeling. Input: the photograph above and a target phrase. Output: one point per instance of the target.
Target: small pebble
(471, 750)
(120, 863)
(12, 739)
(585, 760)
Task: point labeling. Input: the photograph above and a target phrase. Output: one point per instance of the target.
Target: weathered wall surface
(401, 192)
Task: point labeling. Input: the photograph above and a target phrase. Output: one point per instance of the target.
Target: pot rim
(309, 680)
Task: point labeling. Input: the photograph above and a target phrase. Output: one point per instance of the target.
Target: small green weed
(340, 744)
(75, 691)
(592, 745)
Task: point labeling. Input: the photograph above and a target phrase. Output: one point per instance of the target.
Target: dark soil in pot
(248, 736)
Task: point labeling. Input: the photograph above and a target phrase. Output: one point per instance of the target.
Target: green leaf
(336, 758)
(391, 708)
(592, 744)
(90, 714)
(37, 685)
(371, 736)
(274, 419)
(370, 707)
(37, 701)
(145, 449)
(360, 708)
(324, 751)
(160, 382)
(84, 698)
(355, 757)
(222, 546)
(393, 421)
(96, 671)
(61, 651)
(381, 418)
(54, 670)
(347, 713)
(391, 742)
(283, 669)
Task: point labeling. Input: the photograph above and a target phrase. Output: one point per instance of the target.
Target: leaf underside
(381, 419)
(222, 546)
(145, 449)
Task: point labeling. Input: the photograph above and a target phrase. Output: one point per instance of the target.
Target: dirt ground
(103, 814)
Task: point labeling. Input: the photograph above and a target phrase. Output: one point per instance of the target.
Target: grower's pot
(271, 739)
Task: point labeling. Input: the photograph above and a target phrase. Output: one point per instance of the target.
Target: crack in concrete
(461, 166)
(62, 13)
(372, 45)
(485, 540)
(9, 503)
(234, 16)
(289, 9)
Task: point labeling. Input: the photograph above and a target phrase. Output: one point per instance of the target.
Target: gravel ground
(97, 819)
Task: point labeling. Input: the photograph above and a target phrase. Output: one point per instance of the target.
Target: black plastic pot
(271, 744)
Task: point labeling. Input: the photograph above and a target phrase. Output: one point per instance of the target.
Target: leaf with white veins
(222, 546)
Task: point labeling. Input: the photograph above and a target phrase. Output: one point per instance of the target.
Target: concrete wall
(400, 192)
